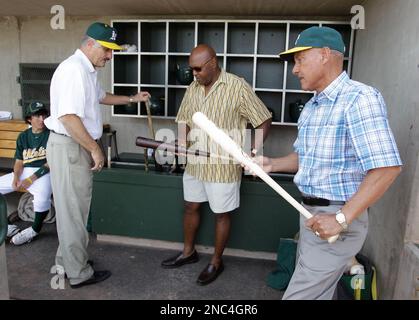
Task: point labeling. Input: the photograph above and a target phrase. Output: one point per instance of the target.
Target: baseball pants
(40, 189)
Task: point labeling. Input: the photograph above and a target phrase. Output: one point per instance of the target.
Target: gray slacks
(72, 181)
(320, 264)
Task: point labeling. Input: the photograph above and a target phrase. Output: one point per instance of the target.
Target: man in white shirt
(76, 124)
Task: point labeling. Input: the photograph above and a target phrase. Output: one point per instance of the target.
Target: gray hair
(86, 39)
(337, 57)
(337, 53)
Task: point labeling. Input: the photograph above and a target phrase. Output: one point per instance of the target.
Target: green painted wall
(149, 205)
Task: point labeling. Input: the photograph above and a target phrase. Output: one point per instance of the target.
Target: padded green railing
(3, 219)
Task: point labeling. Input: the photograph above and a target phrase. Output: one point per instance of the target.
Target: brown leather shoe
(209, 274)
(178, 260)
(97, 276)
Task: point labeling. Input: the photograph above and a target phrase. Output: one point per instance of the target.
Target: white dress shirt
(75, 90)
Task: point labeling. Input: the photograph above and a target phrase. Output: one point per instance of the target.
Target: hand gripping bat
(234, 150)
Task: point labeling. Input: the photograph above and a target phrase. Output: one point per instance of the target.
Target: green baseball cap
(35, 107)
(315, 37)
(104, 34)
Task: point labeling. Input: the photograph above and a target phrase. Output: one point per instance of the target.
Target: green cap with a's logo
(104, 34)
(315, 37)
(34, 108)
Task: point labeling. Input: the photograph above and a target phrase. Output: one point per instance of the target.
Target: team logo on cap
(113, 36)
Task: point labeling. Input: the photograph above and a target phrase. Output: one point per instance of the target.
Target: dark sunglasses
(199, 69)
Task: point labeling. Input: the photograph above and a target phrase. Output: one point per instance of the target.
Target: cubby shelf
(247, 48)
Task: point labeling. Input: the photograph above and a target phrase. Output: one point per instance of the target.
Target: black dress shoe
(97, 276)
(178, 260)
(209, 274)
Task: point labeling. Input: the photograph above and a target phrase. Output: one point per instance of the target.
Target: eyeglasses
(199, 69)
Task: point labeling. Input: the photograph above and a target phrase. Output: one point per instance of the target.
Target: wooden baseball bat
(233, 149)
(150, 122)
(151, 132)
(174, 148)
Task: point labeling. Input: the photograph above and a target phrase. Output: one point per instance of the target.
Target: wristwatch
(131, 100)
(341, 219)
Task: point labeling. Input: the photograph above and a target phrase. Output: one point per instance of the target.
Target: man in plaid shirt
(345, 158)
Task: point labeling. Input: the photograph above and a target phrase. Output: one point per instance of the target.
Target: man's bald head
(204, 51)
(203, 61)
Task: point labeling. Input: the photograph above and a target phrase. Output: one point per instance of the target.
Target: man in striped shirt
(345, 158)
(230, 103)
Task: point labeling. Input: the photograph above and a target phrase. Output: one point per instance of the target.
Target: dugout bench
(9, 131)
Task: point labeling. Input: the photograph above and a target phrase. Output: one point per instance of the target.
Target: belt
(64, 135)
(60, 134)
(312, 201)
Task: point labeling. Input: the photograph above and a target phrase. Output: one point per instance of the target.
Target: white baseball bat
(233, 149)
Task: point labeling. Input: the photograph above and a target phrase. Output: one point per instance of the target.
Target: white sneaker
(23, 237)
(12, 230)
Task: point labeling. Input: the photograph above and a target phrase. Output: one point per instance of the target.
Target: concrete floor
(136, 274)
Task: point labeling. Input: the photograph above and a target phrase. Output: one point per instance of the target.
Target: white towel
(25, 209)
(5, 115)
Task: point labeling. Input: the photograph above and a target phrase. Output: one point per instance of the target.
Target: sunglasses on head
(199, 69)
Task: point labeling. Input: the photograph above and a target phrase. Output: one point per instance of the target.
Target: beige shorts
(222, 197)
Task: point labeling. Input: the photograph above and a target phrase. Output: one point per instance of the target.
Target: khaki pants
(320, 264)
(72, 181)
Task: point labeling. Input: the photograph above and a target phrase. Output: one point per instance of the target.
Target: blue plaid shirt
(343, 132)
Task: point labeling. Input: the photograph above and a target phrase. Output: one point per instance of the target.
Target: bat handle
(109, 157)
(333, 238)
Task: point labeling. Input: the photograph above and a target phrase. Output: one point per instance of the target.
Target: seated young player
(30, 172)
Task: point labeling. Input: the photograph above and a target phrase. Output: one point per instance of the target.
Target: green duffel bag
(359, 286)
(285, 260)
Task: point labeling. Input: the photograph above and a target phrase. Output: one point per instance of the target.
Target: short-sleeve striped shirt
(230, 104)
(342, 133)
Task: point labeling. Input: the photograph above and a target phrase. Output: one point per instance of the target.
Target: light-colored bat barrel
(230, 146)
